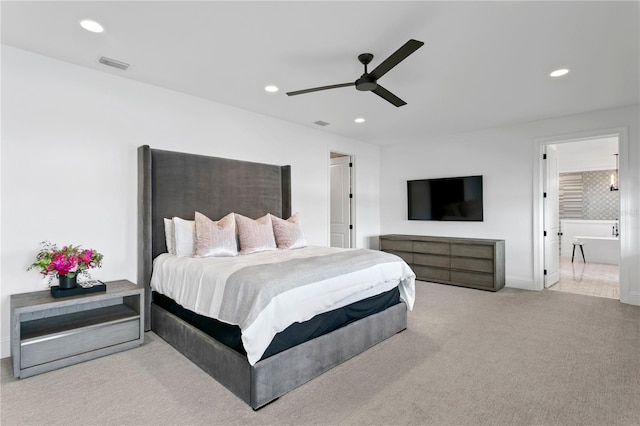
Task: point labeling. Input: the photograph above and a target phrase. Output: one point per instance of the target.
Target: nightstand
(48, 333)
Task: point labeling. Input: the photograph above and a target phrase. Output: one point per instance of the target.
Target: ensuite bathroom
(589, 211)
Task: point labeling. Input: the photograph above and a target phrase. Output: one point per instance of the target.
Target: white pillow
(255, 235)
(215, 238)
(288, 233)
(185, 237)
(170, 236)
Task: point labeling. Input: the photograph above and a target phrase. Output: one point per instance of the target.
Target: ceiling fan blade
(398, 56)
(316, 89)
(388, 96)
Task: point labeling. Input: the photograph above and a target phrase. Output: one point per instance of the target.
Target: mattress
(264, 293)
(295, 334)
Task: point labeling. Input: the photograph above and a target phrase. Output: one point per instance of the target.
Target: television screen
(458, 198)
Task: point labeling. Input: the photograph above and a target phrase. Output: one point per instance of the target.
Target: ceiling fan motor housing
(366, 83)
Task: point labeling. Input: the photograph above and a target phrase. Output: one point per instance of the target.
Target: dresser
(467, 262)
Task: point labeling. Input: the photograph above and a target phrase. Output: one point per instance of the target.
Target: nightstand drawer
(43, 349)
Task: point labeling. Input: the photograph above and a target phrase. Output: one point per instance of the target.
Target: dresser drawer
(472, 264)
(428, 273)
(431, 260)
(401, 245)
(472, 250)
(431, 247)
(473, 279)
(407, 257)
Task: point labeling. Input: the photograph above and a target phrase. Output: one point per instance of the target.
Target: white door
(340, 208)
(551, 221)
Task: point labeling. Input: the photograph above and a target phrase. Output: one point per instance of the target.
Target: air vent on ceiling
(114, 63)
(321, 123)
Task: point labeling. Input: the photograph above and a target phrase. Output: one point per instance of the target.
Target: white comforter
(266, 308)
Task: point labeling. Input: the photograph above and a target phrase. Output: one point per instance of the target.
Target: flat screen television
(455, 199)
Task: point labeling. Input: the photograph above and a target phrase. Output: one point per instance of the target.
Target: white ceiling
(484, 64)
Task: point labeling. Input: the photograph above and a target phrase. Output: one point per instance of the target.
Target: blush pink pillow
(255, 235)
(215, 238)
(288, 232)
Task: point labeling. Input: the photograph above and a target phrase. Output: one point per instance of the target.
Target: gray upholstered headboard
(178, 184)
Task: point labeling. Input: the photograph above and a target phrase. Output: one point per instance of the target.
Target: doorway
(341, 200)
(581, 211)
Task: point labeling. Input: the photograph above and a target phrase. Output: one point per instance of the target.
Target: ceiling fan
(368, 82)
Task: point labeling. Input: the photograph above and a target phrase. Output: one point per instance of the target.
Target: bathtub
(599, 249)
(600, 246)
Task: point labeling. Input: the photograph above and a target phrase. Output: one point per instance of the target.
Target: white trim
(5, 345)
(625, 201)
(352, 174)
(521, 283)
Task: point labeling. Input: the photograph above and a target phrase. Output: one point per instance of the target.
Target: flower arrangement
(69, 261)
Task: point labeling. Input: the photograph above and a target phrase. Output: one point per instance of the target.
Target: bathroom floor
(593, 279)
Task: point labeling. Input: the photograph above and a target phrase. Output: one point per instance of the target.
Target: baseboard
(521, 283)
(5, 347)
(631, 298)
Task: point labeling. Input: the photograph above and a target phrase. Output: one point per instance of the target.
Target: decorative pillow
(288, 233)
(185, 237)
(216, 238)
(170, 236)
(255, 235)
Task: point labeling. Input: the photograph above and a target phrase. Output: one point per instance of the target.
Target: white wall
(589, 155)
(504, 156)
(68, 169)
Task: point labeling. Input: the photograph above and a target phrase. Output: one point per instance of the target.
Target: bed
(172, 184)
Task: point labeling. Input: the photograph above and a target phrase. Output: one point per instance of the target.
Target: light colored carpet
(468, 357)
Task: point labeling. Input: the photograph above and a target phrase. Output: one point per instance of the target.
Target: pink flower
(71, 260)
(85, 256)
(64, 264)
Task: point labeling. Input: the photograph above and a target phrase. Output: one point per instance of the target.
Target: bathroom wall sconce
(614, 177)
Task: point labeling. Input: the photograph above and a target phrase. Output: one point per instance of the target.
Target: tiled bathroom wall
(586, 195)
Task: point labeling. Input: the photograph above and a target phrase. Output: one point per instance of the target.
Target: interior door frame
(352, 203)
(552, 232)
(622, 133)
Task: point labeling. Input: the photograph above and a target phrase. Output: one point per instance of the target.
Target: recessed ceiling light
(359, 120)
(559, 73)
(271, 89)
(92, 26)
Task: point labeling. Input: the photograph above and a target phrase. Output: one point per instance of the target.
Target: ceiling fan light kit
(368, 82)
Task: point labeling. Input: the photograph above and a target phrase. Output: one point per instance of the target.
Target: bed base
(272, 377)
